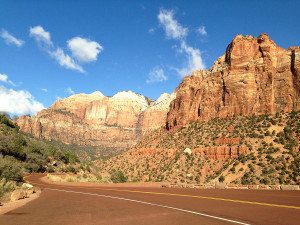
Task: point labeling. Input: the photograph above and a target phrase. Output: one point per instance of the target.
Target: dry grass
(91, 178)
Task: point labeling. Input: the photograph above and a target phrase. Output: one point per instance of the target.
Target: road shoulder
(9, 206)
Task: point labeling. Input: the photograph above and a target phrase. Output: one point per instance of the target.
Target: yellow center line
(185, 195)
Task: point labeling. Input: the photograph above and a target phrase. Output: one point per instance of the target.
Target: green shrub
(221, 179)
(118, 177)
(6, 186)
(10, 169)
(71, 169)
(6, 121)
(69, 157)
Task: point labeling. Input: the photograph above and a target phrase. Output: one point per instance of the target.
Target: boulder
(18, 194)
(187, 151)
(26, 186)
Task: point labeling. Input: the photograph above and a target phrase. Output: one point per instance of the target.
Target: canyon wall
(254, 76)
(96, 120)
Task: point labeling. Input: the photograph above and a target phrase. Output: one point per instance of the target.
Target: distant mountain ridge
(238, 122)
(96, 120)
(254, 77)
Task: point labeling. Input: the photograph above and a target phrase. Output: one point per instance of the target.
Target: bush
(6, 186)
(10, 169)
(6, 121)
(69, 157)
(71, 169)
(221, 179)
(118, 177)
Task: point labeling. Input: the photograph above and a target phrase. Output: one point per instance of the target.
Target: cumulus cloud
(175, 30)
(172, 28)
(18, 102)
(9, 39)
(202, 31)
(84, 50)
(156, 75)
(44, 89)
(4, 79)
(194, 59)
(40, 35)
(70, 91)
(65, 60)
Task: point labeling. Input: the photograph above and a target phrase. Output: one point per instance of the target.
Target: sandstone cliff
(96, 120)
(254, 76)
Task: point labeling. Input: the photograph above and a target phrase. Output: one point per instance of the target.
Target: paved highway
(91, 204)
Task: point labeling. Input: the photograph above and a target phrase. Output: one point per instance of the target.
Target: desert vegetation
(20, 154)
(271, 156)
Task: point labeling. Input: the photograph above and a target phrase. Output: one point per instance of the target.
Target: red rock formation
(234, 141)
(221, 152)
(254, 76)
(96, 120)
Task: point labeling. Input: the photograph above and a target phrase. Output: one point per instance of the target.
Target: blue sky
(110, 46)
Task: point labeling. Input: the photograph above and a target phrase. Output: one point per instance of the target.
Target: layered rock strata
(254, 76)
(96, 120)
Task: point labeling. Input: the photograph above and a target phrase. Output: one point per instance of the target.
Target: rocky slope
(96, 120)
(237, 122)
(243, 150)
(254, 76)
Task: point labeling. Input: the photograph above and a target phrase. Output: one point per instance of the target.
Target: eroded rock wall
(254, 76)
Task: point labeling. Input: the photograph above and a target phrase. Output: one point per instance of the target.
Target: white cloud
(4, 79)
(151, 30)
(202, 31)
(18, 102)
(44, 89)
(84, 50)
(194, 58)
(157, 75)
(65, 60)
(70, 91)
(172, 28)
(175, 30)
(10, 39)
(40, 35)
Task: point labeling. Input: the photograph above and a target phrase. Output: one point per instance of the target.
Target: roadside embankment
(236, 186)
(18, 197)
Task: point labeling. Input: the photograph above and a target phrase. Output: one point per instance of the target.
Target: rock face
(254, 76)
(222, 152)
(96, 120)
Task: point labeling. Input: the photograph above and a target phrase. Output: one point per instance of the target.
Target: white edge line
(152, 204)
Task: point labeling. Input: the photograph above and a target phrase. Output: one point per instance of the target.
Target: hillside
(244, 150)
(20, 154)
(237, 122)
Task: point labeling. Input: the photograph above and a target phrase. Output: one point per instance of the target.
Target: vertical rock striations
(254, 76)
(96, 120)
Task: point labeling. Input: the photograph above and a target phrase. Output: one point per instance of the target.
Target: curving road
(91, 204)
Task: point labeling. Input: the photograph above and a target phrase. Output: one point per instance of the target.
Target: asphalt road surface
(95, 204)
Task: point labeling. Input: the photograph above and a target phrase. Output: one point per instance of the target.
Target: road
(81, 204)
